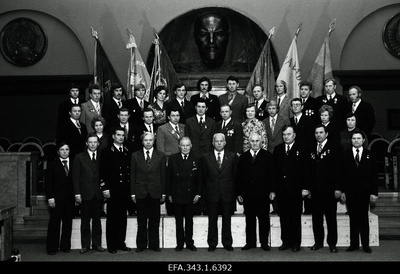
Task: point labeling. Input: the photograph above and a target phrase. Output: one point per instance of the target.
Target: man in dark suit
(183, 191)
(200, 129)
(86, 183)
(58, 186)
(237, 101)
(212, 101)
(111, 107)
(290, 167)
(114, 181)
(123, 118)
(232, 130)
(336, 101)
(147, 125)
(360, 187)
(73, 132)
(303, 124)
(255, 190)
(310, 104)
(260, 102)
(363, 110)
(136, 105)
(92, 107)
(65, 107)
(185, 107)
(325, 188)
(218, 176)
(148, 175)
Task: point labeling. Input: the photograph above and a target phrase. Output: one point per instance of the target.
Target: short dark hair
(285, 127)
(358, 132)
(75, 105)
(73, 85)
(232, 78)
(94, 86)
(158, 89)
(321, 125)
(172, 109)
(306, 83)
(61, 144)
(201, 100)
(115, 86)
(92, 135)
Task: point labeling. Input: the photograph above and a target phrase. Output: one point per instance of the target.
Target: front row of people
(219, 177)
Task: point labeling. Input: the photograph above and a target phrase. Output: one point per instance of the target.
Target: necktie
(76, 101)
(256, 104)
(93, 158)
(329, 97)
(357, 157)
(120, 149)
(65, 167)
(223, 125)
(254, 157)
(119, 104)
(296, 120)
(98, 108)
(150, 129)
(148, 158)
(287, 149)
(303, 101)
(78, 125)
(230, 100)
(177, 130)
(126, 132)
(279, 101)
(219, 160)
(204, 96)
(182, 105)
(319, 149)
(141, 104)
(272, 125)
(353, 109)
(184, 157)
(201, 121)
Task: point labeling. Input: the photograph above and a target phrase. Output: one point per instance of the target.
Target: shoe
(126, 248)
(84, 250)
(265, 247)
(155, 249)
(211, 248)
(112, 251)
(352, 248)
(296, 248)
(247, 247)
(140, 249)
(51, 252)
(283, 247)
(99, 249)
(192, 247)
(316, 247)
(229, 248)
(367, 249)
(178, 248)
(333, 249)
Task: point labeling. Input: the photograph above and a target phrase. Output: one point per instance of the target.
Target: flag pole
(298, 30)
(94, 34)
(332, 26)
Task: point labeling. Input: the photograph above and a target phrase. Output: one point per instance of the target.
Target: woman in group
(252, 124)
(159, 106)
(326, 114)
(345, 135)
(98, 124)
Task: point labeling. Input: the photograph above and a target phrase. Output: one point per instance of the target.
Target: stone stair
(387, 207)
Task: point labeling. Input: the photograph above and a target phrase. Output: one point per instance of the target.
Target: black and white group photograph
(200, 136)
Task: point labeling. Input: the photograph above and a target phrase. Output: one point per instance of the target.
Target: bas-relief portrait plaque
(23, 42)
(391, 35)
(213, 39)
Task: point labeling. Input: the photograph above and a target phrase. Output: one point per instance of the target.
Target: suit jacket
(304, 130)
(86, 176)
(290, 170)
(310, 108)
(238, 105)
(69, 133)
(135, 111)
(324, 169)
(365, 116)
(57, 184)
(339, 104)
(63, 110)
(213, 106)
(168, 139)
(363, 178)
(275, 138)
(115, 172)
(110, 111)
(201, 136)
(138, 130)
(284, 107)
(233, 132)
(185, 112)
(255, 178)
(261, 112)
(219, 184)
(148, 179)
(183, 178)
(88, 113)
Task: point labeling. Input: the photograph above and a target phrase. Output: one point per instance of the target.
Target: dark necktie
(182, 105)
(272, 125)
(296, 120)
(120, 149)
(93, 158)
(185, 157)
(177, 130)
(357, 157)
(230, 99)
(148, 158)
(279, 101)
(76, 101)
(65, 167)
(287, 149)
(201, 121)
(141, 104)
(223, 125)
(78, 125)
(126, 132)
(254, 157)
(119, 104)
(219, 160)
(319, 149)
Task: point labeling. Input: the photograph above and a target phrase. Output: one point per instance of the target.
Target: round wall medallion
(23, 42)
(391, 35)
